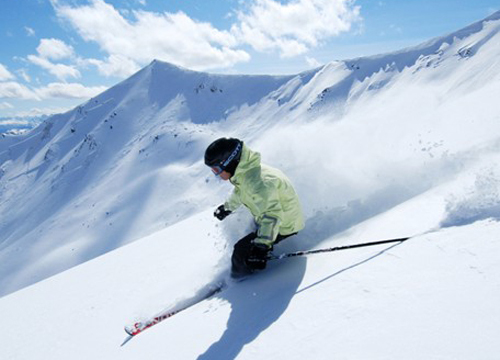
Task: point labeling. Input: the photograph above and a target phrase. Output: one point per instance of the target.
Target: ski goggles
(218, 169)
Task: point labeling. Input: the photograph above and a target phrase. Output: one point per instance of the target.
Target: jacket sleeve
(270, 213)
(233, 202)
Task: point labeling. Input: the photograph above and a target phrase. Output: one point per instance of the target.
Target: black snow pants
(242, 251)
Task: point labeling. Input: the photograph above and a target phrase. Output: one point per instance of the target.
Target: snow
(107, 213)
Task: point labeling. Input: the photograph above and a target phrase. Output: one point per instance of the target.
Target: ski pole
(345, 247)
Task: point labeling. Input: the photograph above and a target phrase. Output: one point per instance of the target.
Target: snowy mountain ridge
(386, 146)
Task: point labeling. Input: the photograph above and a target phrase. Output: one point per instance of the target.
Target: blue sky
(58, 53)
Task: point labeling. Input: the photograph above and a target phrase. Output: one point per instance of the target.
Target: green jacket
(268, 194)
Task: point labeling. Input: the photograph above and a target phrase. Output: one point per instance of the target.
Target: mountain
(113, 169)
(400, 144)
(19, 124)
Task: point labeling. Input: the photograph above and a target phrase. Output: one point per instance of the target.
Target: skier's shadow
(256, 304)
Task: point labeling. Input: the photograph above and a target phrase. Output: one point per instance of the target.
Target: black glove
(221, 213)
(257, 258)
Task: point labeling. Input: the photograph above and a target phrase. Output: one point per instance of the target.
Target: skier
(265, 191)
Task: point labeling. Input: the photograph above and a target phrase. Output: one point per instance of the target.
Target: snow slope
(435, 296)
(387, 146)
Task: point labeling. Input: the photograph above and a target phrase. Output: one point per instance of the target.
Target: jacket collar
(249, 160)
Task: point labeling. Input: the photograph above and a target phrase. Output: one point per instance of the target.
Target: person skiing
(265, 191)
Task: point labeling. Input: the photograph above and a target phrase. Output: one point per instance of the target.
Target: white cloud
(24, 74)
(115, 65)
(170, 37)
(42, 111)
(396, 28)
(5, 105)
(13, 122)
(312, 62)
(134, 38)
(29, 31)
(295, 27)
(68, 91)
(54, 49)
(14, 90)
(5, 74)
(61, 71)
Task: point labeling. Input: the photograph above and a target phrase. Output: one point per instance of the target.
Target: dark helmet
(224, 154)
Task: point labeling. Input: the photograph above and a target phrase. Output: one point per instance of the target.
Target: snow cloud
(479, 201)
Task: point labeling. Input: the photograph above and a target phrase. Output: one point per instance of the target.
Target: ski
(140, 326)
